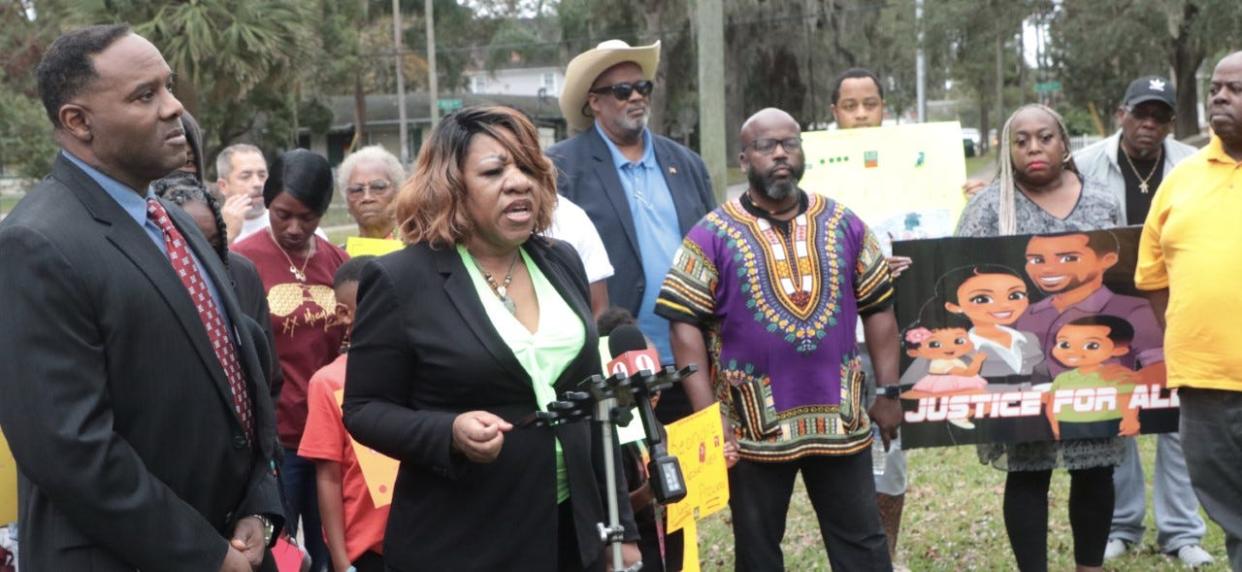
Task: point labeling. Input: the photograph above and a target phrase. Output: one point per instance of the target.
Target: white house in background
(517, 81)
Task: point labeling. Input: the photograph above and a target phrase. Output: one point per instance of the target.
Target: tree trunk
(985, 142)
(360, 114)
(1186, 61)
(660, 102)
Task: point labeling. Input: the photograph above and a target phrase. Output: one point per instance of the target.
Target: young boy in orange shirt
(352, 525)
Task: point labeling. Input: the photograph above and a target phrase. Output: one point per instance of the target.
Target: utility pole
(432, 79)
(401, 121)
(920, 63)
(709, 31)
(1000, 86)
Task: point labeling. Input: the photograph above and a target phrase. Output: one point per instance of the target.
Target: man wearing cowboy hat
(642, 191)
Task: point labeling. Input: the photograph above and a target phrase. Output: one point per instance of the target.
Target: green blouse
(545, 353)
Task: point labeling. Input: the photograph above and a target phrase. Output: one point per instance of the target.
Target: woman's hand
(630, 555)
(898, 264)
(973, 186)
(479, 435)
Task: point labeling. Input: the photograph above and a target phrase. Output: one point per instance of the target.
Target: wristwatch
(269, 529)
(889, 391)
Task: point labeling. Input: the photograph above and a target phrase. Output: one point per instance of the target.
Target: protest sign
(698, 443)
(1028, 338)
(359, 246)
(379, 471)
(8, 484)
(904, 181)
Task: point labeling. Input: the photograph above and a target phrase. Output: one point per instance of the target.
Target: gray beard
(634, 125)
(779, 191)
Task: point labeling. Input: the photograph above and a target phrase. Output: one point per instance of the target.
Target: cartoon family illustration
(980, 333)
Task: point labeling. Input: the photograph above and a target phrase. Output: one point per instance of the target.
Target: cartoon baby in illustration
(943, 343)
(944, 349)
(1078, 402)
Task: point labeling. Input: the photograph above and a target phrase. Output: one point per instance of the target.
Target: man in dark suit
(130, 386)
(642, 191)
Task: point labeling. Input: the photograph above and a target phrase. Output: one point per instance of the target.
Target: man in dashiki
(766, 290)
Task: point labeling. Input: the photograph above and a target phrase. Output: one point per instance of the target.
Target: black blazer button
(239, 441)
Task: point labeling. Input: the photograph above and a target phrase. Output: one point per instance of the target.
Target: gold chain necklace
(502, 289)
(298, 273)
(1143, 188)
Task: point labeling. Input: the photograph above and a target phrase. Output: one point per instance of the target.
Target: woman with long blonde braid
(1040, 191)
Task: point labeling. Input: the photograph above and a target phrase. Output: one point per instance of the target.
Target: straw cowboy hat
(587, 66)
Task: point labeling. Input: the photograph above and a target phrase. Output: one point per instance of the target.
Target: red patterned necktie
(183, 264)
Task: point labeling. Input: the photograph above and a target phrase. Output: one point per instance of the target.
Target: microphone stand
(605, 410)
(613, 398)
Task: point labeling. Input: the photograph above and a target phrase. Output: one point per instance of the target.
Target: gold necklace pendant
(1143, 187)
(301, 276)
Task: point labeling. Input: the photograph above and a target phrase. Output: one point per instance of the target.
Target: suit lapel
(606, 171)
(224, 286)
(461, 292)
(135, 245)
(677, 177)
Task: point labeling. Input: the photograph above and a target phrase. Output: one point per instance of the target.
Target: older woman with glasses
(368, 179)
(480, 322)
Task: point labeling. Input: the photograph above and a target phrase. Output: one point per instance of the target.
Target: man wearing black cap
(1132, 163)
(1135, 159)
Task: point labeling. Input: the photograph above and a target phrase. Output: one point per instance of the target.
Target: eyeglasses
(765, 146)
(1157, 114)
(376, 187)
(623, 91)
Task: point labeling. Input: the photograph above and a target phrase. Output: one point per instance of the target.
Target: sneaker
(1194, 556)
(1115, 547)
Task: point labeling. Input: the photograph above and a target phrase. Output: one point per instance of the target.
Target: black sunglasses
(1159, 114)
(623, 91)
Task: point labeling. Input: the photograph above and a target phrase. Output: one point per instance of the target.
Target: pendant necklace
(1143, 180)
(298, 273)
(502, 290)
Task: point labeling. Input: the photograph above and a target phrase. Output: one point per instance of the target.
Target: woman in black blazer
(475, 325)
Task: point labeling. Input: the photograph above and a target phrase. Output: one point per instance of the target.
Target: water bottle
(878, 454)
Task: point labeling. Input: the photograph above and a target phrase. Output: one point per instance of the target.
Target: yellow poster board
(698, 443)
(379, 471)
(8, 484)
(904, 181)
(358, 246)
(690, 554)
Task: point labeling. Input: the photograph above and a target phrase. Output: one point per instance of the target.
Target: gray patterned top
(1097, 208)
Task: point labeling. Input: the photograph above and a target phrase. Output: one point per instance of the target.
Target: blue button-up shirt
(657, 230)
(136, 207)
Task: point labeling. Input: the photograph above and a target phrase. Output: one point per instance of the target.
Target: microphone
(630, 354)
(638, 366)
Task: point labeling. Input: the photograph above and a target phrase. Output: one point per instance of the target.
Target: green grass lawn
(978, 163)
(953, 521)
(7, 202)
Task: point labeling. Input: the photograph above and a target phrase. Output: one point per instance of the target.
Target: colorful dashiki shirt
(778, 300)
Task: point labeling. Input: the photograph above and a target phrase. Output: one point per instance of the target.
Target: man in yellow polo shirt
(1188, 259)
